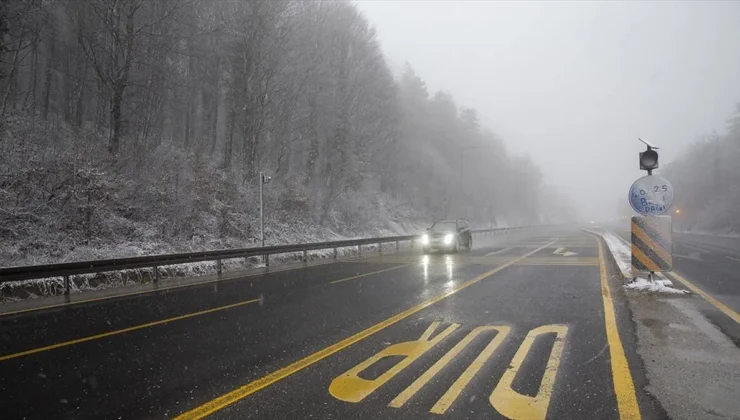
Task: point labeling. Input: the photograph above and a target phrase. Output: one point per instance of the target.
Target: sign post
(264, 179)
(651, 244)
(651, 196)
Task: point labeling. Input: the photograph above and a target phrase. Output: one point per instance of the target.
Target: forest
(707, 183)
(140, 126)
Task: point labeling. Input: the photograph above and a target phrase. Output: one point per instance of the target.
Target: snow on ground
(277, 233)
(656, 286)
(29, 289)
(622, 253)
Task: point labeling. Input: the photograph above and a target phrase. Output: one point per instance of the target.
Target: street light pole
(262, 220)
(263, 180)
(462, 154)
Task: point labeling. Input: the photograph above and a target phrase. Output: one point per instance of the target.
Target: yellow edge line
(369, 274)
(254, 386)
(124, 330)
(624, 387)
(717, 304)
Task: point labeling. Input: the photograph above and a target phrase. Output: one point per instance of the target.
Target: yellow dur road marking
(647, 262)
(370, 274)
(624, 387)
(659, 251)
(511, 403)
(351, 388)
(125, 330)
(254, 386)
(717, 304)
(454, 391)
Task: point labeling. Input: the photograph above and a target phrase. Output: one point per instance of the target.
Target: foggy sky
(573, 84)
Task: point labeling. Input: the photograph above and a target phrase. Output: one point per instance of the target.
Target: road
(712, 264)
(689, 345)
(526, 325)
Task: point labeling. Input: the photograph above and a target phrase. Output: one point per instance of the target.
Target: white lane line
(732, 258)
(694, 247)
(497, 252)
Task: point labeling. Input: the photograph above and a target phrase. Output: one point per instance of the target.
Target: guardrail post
(305, 256)
(66, 289)
(66, 270)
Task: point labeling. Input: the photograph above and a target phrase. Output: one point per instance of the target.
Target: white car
(447, 235)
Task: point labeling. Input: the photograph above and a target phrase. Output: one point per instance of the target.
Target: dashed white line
(497, 252)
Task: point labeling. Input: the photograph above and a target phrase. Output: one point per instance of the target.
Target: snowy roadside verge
(659, 285)
(622, 254)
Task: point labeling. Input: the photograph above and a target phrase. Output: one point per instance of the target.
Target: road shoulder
(650, 407)
(686, 366)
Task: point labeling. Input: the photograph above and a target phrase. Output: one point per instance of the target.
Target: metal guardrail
(66, 270)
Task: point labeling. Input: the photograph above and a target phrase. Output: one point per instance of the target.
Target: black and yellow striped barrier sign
(651, 243)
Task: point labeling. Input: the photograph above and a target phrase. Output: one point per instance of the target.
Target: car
(447, 235)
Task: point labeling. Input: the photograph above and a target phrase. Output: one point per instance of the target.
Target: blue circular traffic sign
(651, 195)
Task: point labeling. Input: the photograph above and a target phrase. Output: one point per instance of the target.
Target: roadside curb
(626, 275)
(635, 282)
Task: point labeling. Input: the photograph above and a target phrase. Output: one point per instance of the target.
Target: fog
(574, 84)
(152, 129)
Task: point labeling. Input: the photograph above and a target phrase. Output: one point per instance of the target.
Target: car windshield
(446, 226)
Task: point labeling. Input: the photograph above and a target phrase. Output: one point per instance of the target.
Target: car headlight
(425, 239)
(448, 238)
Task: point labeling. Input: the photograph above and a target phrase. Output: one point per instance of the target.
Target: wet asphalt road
(515, 328)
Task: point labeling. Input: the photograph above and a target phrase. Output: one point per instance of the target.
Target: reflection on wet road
(515, 328)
